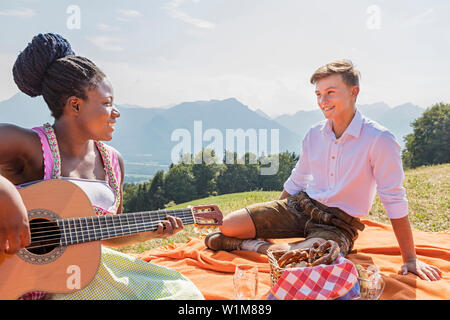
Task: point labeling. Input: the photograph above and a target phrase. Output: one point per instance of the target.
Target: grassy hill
(427, 192)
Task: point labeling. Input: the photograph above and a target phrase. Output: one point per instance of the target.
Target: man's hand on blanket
(423, 270)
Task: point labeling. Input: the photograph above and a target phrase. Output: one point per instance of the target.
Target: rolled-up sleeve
(388, 172)
(300, 175)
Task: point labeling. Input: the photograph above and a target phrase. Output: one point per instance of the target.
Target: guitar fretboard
(86, 229)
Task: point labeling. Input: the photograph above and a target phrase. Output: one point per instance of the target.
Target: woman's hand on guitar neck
(14, 227)
(166, 228)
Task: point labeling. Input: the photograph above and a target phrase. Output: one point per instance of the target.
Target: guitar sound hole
(45, 236)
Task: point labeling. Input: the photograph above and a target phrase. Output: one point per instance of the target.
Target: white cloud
(128, 14)
(421, 18)
(105, 27)
(106, 43)
(23, 13)
(176, 13)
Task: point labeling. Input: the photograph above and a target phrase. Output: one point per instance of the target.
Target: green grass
(427, 191)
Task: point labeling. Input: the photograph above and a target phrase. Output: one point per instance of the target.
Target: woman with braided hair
(81, 99)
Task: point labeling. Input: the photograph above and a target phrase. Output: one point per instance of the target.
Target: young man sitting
(345, 159)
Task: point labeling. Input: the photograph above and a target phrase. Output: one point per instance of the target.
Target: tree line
(429, 143)
(191, 179)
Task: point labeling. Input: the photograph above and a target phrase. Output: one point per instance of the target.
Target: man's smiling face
(335, 98)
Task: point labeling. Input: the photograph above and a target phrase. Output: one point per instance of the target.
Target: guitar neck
(86, 229)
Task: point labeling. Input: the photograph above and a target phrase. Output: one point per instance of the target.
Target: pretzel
(325, 253)
(319, 253)
(293, 256)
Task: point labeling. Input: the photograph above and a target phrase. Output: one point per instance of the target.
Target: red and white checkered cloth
(33, 295)
(321, 282)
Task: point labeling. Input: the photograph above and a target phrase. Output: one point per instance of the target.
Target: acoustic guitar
(66, 235)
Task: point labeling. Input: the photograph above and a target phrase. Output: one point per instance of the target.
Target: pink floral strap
(111, 176)
(53, 143)
(46, 152)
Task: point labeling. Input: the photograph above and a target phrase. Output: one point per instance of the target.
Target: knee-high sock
(252, 244)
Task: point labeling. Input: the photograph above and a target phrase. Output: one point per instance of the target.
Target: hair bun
(31, 64)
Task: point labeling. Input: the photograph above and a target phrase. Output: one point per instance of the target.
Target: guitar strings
(80, 232)
(51, 224)
(132, 228)
(86, 234)
(60, 243)
(93, 227)
(99, 227)
(126, 215)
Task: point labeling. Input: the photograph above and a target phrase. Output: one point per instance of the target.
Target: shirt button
(331, 174)
(333, 157)
(335, 142)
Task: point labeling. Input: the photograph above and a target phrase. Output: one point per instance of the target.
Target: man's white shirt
(347, 172)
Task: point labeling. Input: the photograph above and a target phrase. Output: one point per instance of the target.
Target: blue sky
(262, 52)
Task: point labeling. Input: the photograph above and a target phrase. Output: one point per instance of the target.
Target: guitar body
(66, 235)
(62, 269)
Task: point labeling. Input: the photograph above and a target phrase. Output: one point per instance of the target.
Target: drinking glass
(245, 282)
(371, 283)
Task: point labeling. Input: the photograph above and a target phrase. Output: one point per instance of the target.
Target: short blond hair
(345, 68)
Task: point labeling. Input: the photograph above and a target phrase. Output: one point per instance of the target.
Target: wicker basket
(275, 270)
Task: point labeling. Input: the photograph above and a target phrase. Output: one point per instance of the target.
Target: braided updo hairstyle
(50, 68)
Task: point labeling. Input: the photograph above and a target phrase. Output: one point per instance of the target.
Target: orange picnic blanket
(212, 272)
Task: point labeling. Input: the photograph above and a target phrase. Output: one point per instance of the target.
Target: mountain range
(143, 134)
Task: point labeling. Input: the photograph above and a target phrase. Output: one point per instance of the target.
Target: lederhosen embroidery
(325, 216)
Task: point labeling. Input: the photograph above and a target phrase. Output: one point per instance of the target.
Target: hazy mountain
(301, 121)
(399, 119)
(262, 113)
(143, 135)
(25, 111)
(374, 110)
(152, 133)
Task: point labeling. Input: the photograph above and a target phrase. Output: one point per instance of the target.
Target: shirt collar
(353, 129)
(355, 126)
(326, 127)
